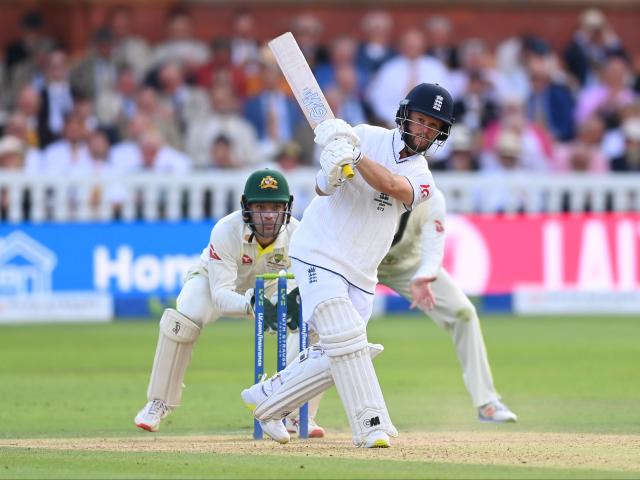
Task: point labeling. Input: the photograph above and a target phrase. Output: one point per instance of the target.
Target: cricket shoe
(496, 412)
(276, 430)
(251, 397)
(314, 430)
(151, 415)
(377, 439)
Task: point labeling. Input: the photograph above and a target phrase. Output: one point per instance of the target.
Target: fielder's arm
(432, 237)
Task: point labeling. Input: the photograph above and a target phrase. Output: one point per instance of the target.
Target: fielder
(345, 233)
(413, 268)
(246, 243)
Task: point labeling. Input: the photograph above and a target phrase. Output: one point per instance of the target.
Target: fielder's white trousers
(455, 313)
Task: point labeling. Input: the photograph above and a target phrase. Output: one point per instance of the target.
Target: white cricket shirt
(350, 231)
(233, 258)
(419, 241)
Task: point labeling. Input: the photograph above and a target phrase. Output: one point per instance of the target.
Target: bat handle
(348, 172)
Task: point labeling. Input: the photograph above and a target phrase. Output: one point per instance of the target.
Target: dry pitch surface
(551, 450)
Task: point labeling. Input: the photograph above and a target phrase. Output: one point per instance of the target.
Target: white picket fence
(201, 195)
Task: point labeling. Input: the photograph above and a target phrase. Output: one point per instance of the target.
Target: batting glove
(332, 129)
(334, 156)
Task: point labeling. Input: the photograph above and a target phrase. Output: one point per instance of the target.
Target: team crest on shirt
(213, 255)
(277, 260)
(439, 226)
(268, 182)
(246, 259)
(425, 190)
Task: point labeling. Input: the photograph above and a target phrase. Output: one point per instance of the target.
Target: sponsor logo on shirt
(439, 226)
(212, 253)
(425, 190)
(246, 259)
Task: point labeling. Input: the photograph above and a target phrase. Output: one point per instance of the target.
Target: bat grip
(347, 171)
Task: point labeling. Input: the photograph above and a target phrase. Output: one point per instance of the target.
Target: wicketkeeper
(245, 243)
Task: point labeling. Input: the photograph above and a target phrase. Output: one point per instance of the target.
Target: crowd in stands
(186, 104)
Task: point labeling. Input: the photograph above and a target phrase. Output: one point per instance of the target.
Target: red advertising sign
(497, 254)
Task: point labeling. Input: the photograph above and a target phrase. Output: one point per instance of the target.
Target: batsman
(345, 233)
(248, 242)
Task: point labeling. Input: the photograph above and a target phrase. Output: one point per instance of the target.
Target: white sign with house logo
(26, 290)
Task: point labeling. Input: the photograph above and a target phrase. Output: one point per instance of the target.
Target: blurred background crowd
(187, 103)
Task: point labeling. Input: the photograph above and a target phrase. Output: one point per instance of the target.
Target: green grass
(558, 374)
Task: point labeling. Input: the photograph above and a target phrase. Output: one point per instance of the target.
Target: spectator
(398, 75)
(307, 29)
(159, 157)
(508, 151)
(585, 152)
(608, 96)
(220, 68)
(11, 160)
(591, 45)
(342, 53)
(97, 71)
(630, 159)
(56, 99)
(222, 153)
(535, 146)
(244, 45)
(377, 47)
(30, 71)
(550, 104)
(28, 104)
(289, 157)
(161, 116)
(114, 108)
(18, 126)
(12, 152)
(125, 155)
(224, 119)
(181, 46)
(128, 49)
(462, 151)
(70, 155)
(476, 107)
(439, 34)
(189, 104)
(32, 38)
(344, 96)
(613, 141)
(273, 114)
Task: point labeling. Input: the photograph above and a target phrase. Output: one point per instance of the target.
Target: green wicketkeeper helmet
(266, 185)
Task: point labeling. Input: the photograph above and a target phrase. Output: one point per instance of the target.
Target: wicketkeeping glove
(332, 129)
(293, 309)
(270, 311)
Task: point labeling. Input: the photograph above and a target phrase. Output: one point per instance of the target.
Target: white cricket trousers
(454, 312)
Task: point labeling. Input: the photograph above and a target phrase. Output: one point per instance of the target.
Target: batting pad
(304, 378)
(343, 336)
(173, 354)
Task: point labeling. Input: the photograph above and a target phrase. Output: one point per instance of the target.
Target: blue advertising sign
(127, 260)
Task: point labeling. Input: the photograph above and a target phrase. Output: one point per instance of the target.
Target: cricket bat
(304, 85)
